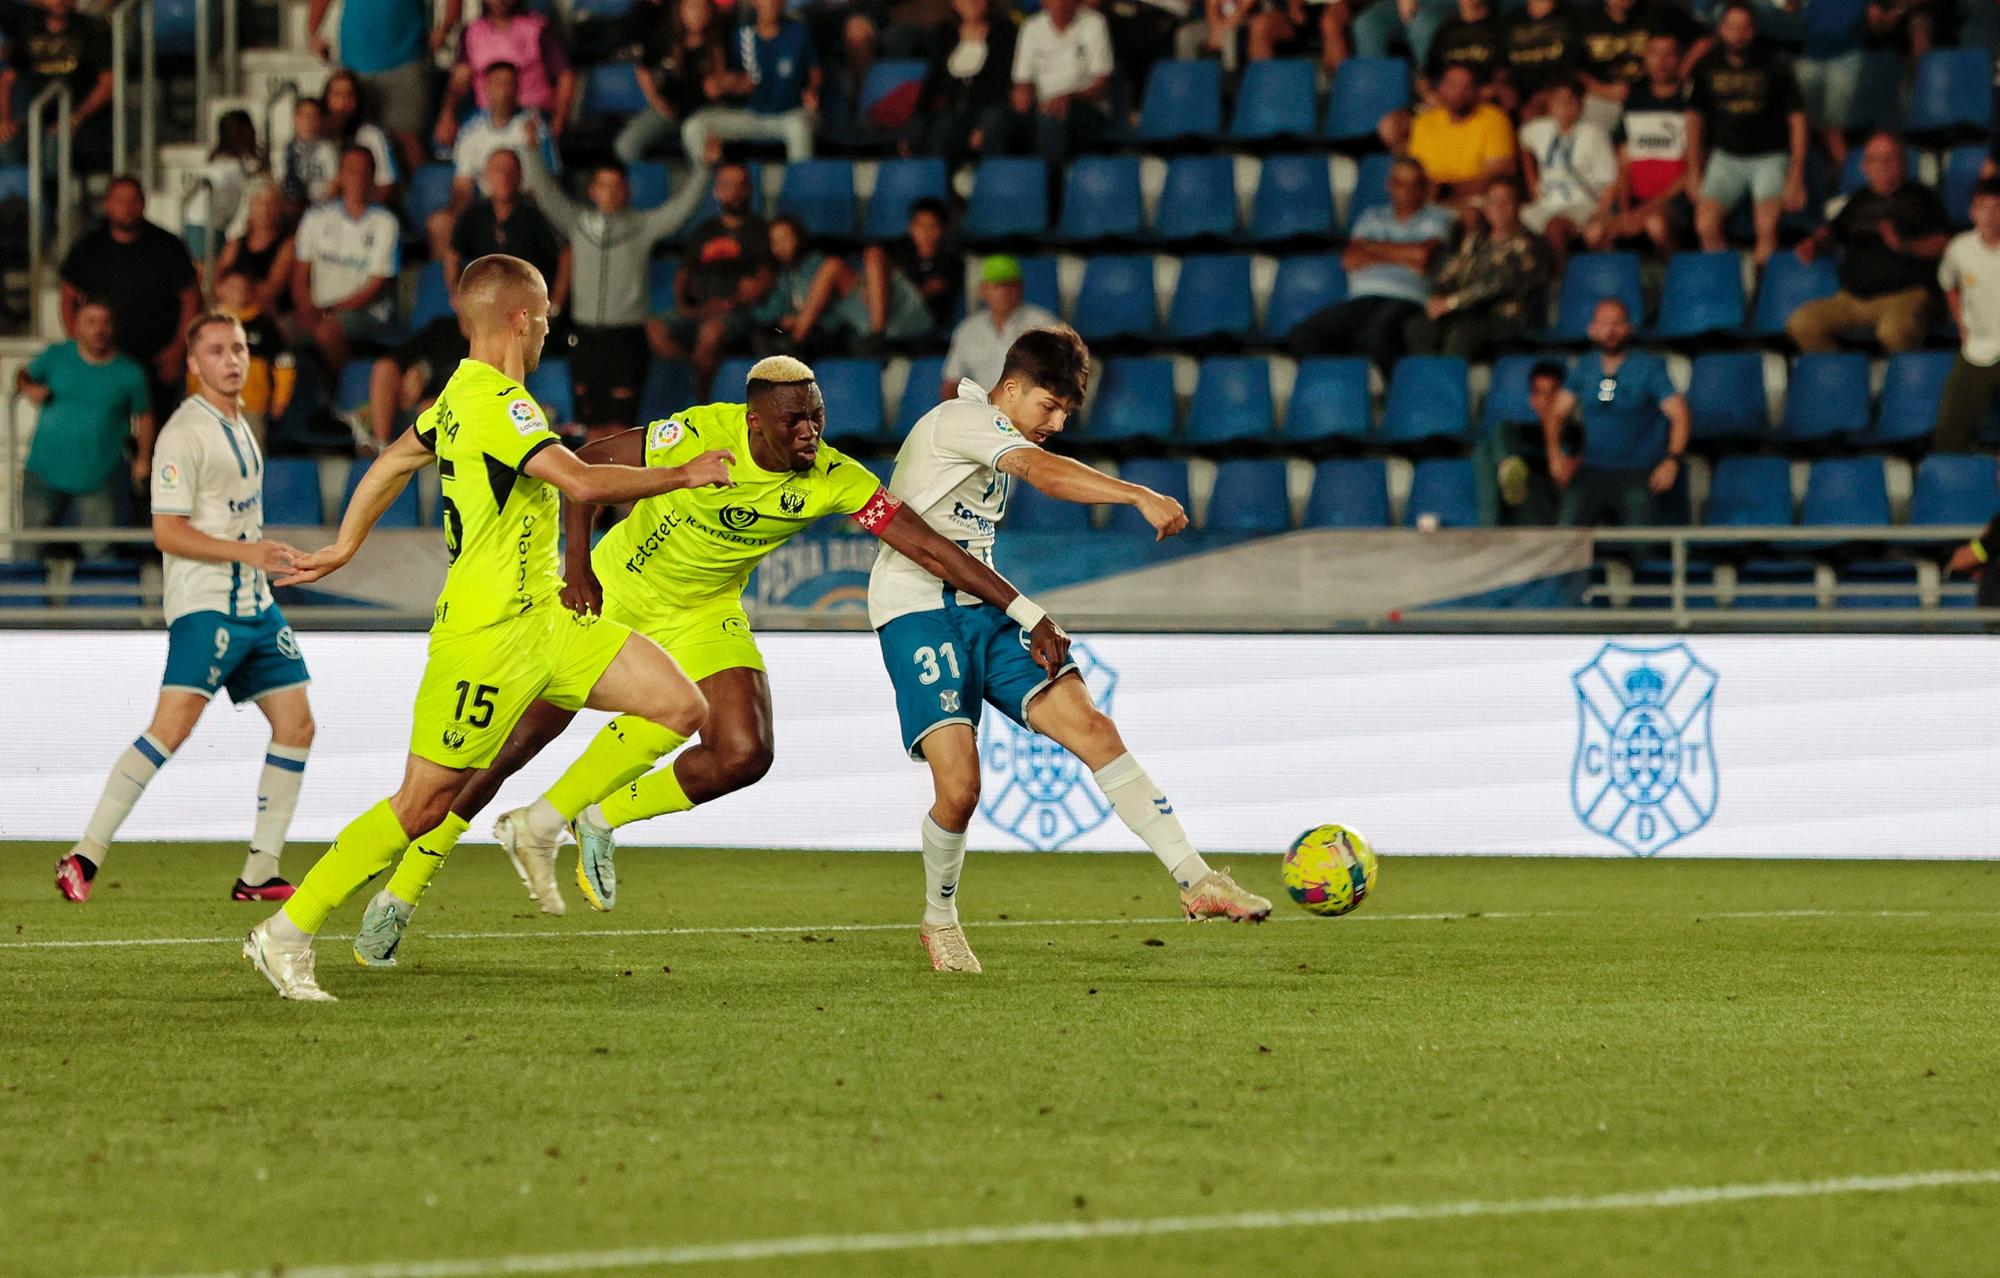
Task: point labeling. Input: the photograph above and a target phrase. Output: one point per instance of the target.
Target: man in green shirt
(90, 397)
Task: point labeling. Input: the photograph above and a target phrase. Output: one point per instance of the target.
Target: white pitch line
(1060, 1231)
(808, 928)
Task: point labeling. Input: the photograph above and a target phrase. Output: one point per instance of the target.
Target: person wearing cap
(980, 342)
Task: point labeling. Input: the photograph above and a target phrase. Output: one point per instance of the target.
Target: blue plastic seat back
(1726, 398)
(1787, 285)
(1010, 199)
(1101, 198)
(820, 193)
(1306, 284)
(920, 392)
(1846, 490)
(1250, 496)
(1444, 487)
(1183, 100)
(291, 492)
(1294, 199)
(1117, 298)
(1198, 199)
(1826, 395)
(1212, 298)
(1231, 401)
(1588, 280)
(885, 76)
(853, 392)
(1162, 476)
(1703, 294)
(1955, 488)
(1427, 399)
(1364, 90)
(1349, 494)
(1750, 492)
(1031, 511)
(898, 185)
(1275, 100)
(1912, 386)
(1953, 89)
(1135, 401)
(1330, 400)
(550, 385)
(611, 89)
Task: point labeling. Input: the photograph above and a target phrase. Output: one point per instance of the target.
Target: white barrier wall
(1873, 746)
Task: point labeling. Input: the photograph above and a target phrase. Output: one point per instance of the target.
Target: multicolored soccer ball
(1330, 870)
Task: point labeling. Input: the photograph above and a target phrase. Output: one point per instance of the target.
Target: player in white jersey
(223, 629)
(947, 652)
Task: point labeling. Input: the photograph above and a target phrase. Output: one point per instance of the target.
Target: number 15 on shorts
(479, 698)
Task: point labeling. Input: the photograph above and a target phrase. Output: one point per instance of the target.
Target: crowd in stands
(1514, 146)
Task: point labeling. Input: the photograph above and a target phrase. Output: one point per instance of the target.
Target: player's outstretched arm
(376, 492)
(614, 485)
(175, 535)
(581, 591)
(908, 535)
(1068, 480)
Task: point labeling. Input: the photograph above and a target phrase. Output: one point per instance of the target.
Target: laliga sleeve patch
(664, 433)
(881, 508)
(526, 416)
(169, 477)
(1001, 424)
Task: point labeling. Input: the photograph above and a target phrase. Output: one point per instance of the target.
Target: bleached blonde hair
(780, 370)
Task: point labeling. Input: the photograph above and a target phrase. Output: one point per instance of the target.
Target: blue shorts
(945, 662)
(250, 656)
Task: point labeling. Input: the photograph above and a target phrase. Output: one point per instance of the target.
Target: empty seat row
(1254, 496)
(1949, 489)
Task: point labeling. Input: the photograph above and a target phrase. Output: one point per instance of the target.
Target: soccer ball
(1329, 870)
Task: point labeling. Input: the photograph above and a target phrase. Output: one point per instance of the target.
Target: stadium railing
(120, 20)
(56, 94)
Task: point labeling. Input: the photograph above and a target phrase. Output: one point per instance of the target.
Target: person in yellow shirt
(1463, 143)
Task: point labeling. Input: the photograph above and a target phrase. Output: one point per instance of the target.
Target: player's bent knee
(745, 762)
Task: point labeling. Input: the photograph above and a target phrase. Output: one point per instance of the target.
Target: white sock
(1146, 812)
(944, 857)
(277, 799)
(284, 929)
(545, 821)
(128, 779)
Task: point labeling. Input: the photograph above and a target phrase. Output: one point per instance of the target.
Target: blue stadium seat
(599, 10)
(352, 393)
(669, 388)
(430, 190)
(1183, 101)
(898, 185)
(1911, 388)
(1162, 476)
(1726, 399)
(1040, 283)
(1211, 298)
(920, 392)
(1703, 294)
(1955, 488)
(885, 76)
(95, 579)
(1250, 497)
(650, 185)
(820, 193)
(1443, 486)
(1010, 199)
(1274, 100)
(1198, 200)
(1846, 490)
(1330, 400)
(1953, 91)
(1134, 401)
(1349, 494)
(660, 275)
(1305, 285)
(174, 28)
(1507, 390)
(1788, 284)
(402, 512)
(1364, 90)
(1588, 280)
(1029, 510)
(1427, 400)
(433, 295)
(853, 391)
(1117, 298)
(1961, 174)
(1748, 492)
(1231, 402)
(1101, 199)
(1294, 199)
(1851, 177)
(13, 182)
(291, 492)
(730, 380)
(1826, 396)
(611, 89)
(550, 385)
(1371, 186)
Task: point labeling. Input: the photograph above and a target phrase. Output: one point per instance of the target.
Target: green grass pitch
(593, 1085)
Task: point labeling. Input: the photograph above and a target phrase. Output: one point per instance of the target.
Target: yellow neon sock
(359, 853)
(424, 858)
(655, 794)
(625, 748)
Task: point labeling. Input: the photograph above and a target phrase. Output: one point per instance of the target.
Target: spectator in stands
(347, 124)
(1890, 234)
(816, 298)
(979, 344)
(273, 373)
(919, 263)
(611, 245)
(680, 61)
(1375, 26)
(503, 33)
(1746, 133)
(771, 85)
(1490, 286)
(1387, 261)
(1572, 171)
(1635, 428)
(1614, 35)
(263, 253)
(58, 43)
(311, 160)
(232, 164)
(1528, 496)
(1062, 80)
(1472, 38)
(1653, 197)
(1970, 276)
(144, 275)
(503, 124)
(725, 273)
(91, 399)
(1829, 68)
(1911, 27)
(962, 107)
(503, 222)
(345, 263)
(389, 43)
(1541, 46)
(1462, 143)
(1144, 31)
(408, 379)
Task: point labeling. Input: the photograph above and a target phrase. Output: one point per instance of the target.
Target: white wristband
(1026, 612)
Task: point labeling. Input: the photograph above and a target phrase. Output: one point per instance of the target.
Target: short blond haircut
(780, 370)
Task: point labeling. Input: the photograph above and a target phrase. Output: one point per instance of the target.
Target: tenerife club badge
(1031, 787)
(1644, 774)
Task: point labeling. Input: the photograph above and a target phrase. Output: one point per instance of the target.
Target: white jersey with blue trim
(206, 466)
(947, 472)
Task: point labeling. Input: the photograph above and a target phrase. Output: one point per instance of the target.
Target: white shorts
(1537, 216)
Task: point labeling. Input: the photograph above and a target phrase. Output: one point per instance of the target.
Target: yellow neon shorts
(477, 685)
(704, 640)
